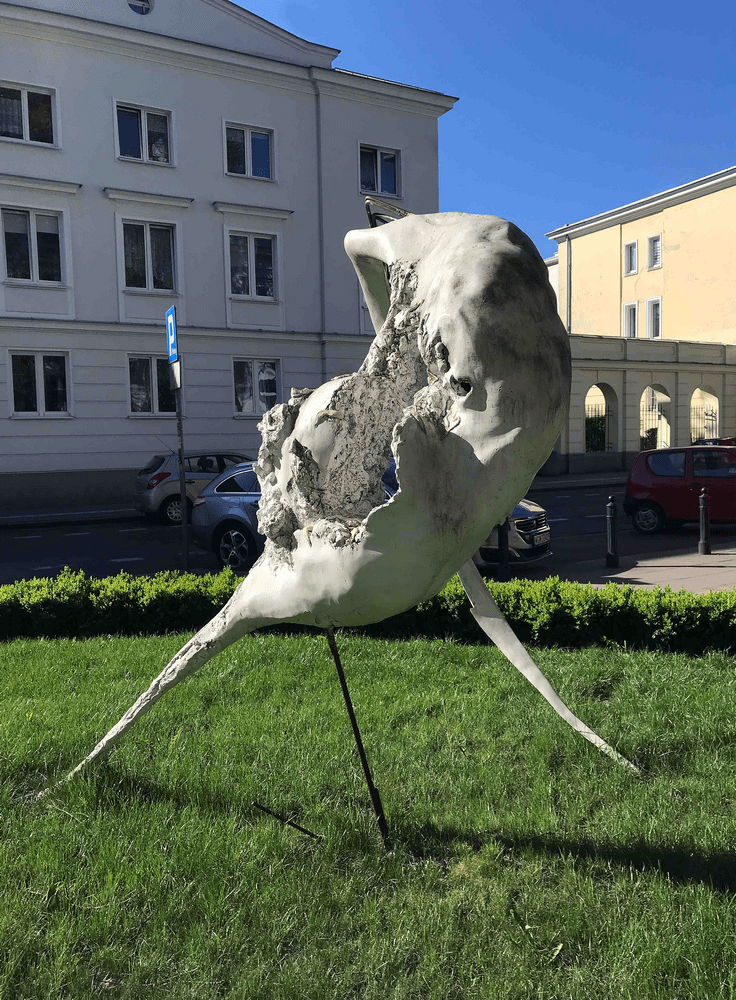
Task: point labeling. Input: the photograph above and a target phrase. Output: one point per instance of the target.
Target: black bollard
(611, 536)
(503, 573)
(704, 543)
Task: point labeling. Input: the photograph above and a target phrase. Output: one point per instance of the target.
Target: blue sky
(565, 110)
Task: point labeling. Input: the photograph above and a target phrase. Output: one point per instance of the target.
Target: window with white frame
(32, 245)
(143, 134)
(150, 386)
(654, 251)
(248, 151)
(252, 265)
(26, 114)
(148, 249)
(654, 318)
(630, 258)
(255, 382)
(379, 170)
(630, 319)
(39, 382)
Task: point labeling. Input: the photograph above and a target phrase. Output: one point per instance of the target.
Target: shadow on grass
(681, 865)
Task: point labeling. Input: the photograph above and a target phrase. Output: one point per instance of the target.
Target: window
(654, 251)
(252, 265)
(241, 482)
(248, 151)
(149, 256)
(719, 464)
(630, 309)
(39, 383)
(668, 463)
(150, 388)
(654, 318)
(141, 7)
(630, 258)
(143, 134)
(32, 245)
(255, 385)
(26, 115)
(379, 170)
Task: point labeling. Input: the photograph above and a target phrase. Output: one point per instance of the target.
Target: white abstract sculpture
(466, 384)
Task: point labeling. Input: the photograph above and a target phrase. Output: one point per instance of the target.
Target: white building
(179, 152)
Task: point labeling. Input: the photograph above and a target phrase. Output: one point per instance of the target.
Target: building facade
(187, 153)
(647, 294)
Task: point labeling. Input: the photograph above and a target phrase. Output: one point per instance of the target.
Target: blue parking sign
(171, 335)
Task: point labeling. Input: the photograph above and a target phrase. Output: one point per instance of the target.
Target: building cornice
(266, 213)
(39, 184)
(97, 328)
(182, 54)
(147, 198)
(346, 85)
(647, 206)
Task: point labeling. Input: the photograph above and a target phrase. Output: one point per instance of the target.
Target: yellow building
(663, 266)
(657, 275)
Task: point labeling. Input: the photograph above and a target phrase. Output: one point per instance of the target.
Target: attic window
(142, 7)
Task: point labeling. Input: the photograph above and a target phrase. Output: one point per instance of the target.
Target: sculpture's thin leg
(372, 790)
(216, 635)
(491, 620)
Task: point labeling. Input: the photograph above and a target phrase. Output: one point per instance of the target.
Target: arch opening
(655, 425)
(704, 415)
(601, 418)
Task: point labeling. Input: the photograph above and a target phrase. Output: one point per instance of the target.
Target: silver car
(157, 491)
(529, 536)
(225, 519)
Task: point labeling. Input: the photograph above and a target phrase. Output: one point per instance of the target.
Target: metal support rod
(287, 822)
(704, 542)
(372, 790)
(503, 572)
(182, 485)
(611, 534)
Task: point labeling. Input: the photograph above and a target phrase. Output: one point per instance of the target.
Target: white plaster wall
(95, 320)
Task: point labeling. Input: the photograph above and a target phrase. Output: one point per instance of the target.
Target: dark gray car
(225, 520)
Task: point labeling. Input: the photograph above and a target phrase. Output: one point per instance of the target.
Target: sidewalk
(682, 569)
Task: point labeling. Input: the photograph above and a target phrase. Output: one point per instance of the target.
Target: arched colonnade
(631, 395)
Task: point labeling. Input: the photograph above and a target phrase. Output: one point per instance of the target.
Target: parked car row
(157, 489)
(223, 494)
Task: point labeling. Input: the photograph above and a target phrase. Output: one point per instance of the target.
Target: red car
(664, 486)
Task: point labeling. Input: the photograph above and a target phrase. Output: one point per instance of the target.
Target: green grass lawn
(526, 864)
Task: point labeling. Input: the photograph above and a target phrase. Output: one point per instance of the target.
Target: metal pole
(503, 573)
(182, 486)
(611, 536)
(372, 790)
(704, 543)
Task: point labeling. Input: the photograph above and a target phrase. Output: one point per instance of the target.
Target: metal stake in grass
(372, 790)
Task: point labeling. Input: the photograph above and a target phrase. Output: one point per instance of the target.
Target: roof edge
(648, 206)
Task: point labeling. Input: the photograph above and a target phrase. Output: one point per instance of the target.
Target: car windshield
(154, 464)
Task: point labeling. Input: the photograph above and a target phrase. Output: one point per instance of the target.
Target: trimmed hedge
(543, 613)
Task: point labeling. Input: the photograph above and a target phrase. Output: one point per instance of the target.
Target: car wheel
(235, 547)
(170, 510)
(648, 518)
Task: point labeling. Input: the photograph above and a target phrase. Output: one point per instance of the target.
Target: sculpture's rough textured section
(466, 384)
(324, 473)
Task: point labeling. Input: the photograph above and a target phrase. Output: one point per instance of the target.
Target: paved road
(577, 519)
(100, 549)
